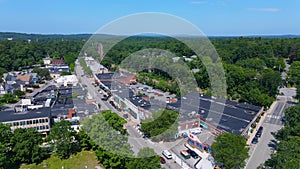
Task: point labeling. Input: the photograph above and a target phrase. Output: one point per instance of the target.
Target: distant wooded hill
(41, 37)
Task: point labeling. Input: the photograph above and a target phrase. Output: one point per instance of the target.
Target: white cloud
(264, 9)
(199, 2)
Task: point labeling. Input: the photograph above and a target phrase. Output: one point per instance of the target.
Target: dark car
(105, 98)
(259, 132)
(254, 140)
(162, 160)
(193, 153)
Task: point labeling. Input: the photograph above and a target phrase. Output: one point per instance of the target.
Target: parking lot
(177, 149)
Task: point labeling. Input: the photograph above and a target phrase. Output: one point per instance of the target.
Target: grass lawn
(78, 161)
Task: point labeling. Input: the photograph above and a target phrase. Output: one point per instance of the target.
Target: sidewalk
(261, 121)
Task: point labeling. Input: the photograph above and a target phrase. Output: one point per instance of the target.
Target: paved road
(262, 150)
(135, 139)
(275, 118)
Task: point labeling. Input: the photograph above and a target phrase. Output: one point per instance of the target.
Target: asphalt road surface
(261, 151)
(135, 139)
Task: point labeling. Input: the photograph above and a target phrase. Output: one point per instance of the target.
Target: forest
(252, 65)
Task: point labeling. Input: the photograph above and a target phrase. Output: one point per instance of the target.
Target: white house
(69, 79)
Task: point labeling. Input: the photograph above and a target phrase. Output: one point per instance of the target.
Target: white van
(167, 154)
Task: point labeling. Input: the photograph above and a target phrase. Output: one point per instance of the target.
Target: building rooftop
(57, 61)
(113, 75)
(227, 115)
(6, 116)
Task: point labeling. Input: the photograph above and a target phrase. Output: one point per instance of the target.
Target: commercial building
(38, 119)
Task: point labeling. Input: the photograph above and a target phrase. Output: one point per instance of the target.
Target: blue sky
(213, 17)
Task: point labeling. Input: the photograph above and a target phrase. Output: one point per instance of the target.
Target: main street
(135, 139)
(262, 151)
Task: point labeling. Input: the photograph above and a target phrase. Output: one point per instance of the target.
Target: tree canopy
(62, 138)
(163, 126)
(20, 146)
(231, 150)
(146, 158)
(287, 153)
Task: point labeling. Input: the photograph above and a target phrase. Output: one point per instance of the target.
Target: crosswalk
(270, 116)
(273, 119)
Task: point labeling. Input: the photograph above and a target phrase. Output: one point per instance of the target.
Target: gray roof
(234, 118)
(227, 115)
(10, 115)
(113, 75)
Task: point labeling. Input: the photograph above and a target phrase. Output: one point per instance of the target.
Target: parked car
(259, 132)
(185, 154)
(254, 140)
(193, 154)
(167, 154)
(105, 98)
(162, 160)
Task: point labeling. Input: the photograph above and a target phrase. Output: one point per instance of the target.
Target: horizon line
(146, 34)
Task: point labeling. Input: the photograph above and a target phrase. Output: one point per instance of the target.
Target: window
(46, 120)
(33, 121)
(36, 121)
(29, 122)
(43, 120)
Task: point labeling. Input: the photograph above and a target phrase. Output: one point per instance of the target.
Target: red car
(162, 160)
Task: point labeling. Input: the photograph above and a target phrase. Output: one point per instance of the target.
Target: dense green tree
(19, 93)
(231, 150)
(253, 63)
(271, 80)
(43, 73)
(287, 155)
(84, 140)
(6, 160)
(146, 158)
(114, 120)
(105, 136)
(5, 133)
(298, 92)
(2, 70)
(26, 146)
(111, 160)
(62, 138)
(163, 126)
(294, 73)
(8, 98)
(291, 125)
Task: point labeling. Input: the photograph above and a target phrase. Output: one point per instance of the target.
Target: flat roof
(10, 115)
(230, 116)
(227, 115)
(113, 75)
(124, 91)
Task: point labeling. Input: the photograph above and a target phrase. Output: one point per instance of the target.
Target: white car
(167, 154)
